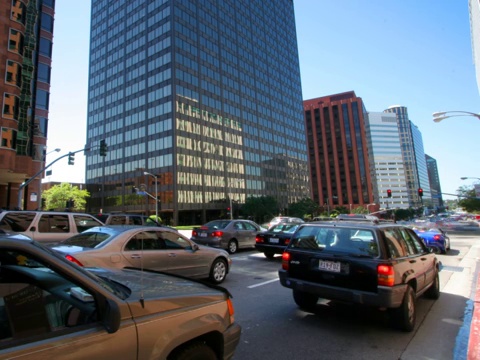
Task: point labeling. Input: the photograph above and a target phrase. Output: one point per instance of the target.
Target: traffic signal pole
(25, 183)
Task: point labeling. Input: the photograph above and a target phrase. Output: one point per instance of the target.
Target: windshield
(286, 228)
(217, 224)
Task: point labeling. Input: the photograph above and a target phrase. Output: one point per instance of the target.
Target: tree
(468, 202)
(261, 208)
(65, 195)
(305, 208)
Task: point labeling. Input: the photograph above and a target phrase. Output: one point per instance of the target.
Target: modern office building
(413, 154)
(434, 180)
(26, 53)
(199, 103)
(387, 166)
(338, 154)
(474, 7)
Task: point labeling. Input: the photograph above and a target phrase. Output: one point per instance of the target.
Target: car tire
(403, 317)
(434, 291)
(195, 351)
(305, 301)
(232, 246)
(269, 255)
(218, 271)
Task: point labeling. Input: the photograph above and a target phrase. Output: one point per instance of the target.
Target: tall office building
(26, 52)
(434, 179)
(474, 7)
(338, 153)
(199, 103)
(413, 157)
(386, 160)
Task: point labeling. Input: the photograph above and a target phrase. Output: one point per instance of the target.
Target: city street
(274, 328)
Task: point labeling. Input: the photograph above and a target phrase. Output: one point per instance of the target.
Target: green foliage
(261, 208)
(305, 208)
(468, 201)
(57, 197)
(359, 210)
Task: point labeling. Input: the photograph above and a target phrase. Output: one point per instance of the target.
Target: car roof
(124, 228)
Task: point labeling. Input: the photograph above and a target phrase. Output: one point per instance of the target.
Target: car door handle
(172, 255)
(135, 256)
(413, 261)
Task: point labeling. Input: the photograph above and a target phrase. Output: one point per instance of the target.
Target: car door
(427, 258)
(250, 233)
(183, 258)
(146, 250)
(43, 315)
(51, 228)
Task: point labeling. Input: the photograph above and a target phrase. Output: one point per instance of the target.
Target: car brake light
(72, 259)
(259, 239)
(231, 310)
(194, 233)
(286, 261)
(436, 237)
(217, 233)
(287, 241)
(386, 276)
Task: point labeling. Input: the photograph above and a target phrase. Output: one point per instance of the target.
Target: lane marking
(263, 283)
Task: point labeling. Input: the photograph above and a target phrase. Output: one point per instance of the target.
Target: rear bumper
(388, 297)
(215, 242)
(274, 249)
(231, 339)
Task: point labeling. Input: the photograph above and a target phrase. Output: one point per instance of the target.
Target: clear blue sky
(398, 52)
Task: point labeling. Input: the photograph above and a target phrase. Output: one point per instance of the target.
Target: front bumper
(231, 338)
(388, 297)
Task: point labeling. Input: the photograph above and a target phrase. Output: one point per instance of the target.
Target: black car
(275, 240)
(384, 265)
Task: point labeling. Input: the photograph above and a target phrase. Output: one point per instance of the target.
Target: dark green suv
(383, 265)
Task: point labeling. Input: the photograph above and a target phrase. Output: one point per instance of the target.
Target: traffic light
(103, 147)
(71, 159)
(420, 192)
(389, 193)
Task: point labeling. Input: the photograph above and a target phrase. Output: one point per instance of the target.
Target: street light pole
(156, 193)
(39, 198)
(442, 115)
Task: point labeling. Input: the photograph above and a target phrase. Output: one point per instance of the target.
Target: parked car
(53, 309)
(283, 219)
(384, 265)
(275, 240)
(124, 219)
(435, 238)
(146, 247)
(47, 226)
(227, 234)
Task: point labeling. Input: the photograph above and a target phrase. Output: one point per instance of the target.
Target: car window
(238, 226)
(217, 224)
(90, 240)
(136, 220)
(38, 303)
(50, 223)
(410, 238)
(118, 220)
(250, 226)
(17, 221)
(395, 247)
(145, 240)
(174, 241)
(84, 222)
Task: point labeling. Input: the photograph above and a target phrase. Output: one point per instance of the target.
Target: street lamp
(328, 204)
(465, 178)
(39, 199)
(156, 193)
(368, 207)
(236, 181)
(442, 115)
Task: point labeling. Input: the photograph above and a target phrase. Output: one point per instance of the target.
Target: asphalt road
(274, 328)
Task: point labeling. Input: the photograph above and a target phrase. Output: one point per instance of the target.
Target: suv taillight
(217, 233)
(285, 260)
(259, 239)
(386, 276)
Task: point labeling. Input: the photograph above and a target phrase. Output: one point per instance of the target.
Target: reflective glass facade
(204, 96)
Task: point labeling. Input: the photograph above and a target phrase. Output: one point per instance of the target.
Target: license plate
(274, 240)
(329, 266)
(203, 234)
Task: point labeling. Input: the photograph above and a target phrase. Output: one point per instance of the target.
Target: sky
(413, 53)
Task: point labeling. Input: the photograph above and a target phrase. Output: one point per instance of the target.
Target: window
(13, 74)
(49, 3)
(37, 303)
(17, 221)
(42, 99)
(9, 138)
(47, 22)
(145, 240)
(53, 224)
(44, 73)
(396, 248)
(19, 10)
(84, 222)
(45, 47)
(11, 106)
(40, 126)
(15, 42)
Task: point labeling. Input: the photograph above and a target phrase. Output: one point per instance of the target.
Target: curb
(473, 352)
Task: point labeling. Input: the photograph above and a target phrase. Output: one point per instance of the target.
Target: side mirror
(111, 316)
(194, 247)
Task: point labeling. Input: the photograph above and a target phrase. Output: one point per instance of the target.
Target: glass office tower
(200, 105)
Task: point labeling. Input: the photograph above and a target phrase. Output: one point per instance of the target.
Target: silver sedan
(145, 247)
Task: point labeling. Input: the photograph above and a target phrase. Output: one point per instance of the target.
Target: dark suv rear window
(351, 240)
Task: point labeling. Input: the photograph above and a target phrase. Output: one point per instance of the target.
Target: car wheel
(404, 317)
(232, 247)
(195, 351)
(269, 255)
(218, 272)
(434, 291)
(305, 300)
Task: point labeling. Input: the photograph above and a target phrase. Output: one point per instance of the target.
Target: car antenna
(142, 299)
